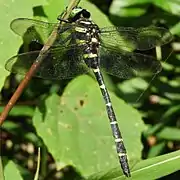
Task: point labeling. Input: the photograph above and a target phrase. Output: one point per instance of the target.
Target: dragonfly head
(78, 13)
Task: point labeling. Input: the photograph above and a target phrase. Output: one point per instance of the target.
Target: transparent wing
(129, 38)
(58, 63)
(39, 31)
(126, 65)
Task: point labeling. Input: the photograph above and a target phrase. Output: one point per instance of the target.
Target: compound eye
(86, 14)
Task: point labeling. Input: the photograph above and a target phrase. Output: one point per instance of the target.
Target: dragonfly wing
(124, 64)
(128, 38)
(39, 31)
(58, 63)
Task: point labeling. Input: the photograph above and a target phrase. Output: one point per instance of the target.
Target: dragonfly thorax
(88, 33)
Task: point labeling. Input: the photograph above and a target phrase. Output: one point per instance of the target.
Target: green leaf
(130, 7)
(157, 149)
(54, 8)
(125, 7)
(1, 170)
(172, 6)
(165, 119)
(157, 167)
(11, 172)
(9, 42)
(169, 133)
(149, 169)
(20, 110)
(97, 16)
(76, 130)
(133, 89)
(175, 29)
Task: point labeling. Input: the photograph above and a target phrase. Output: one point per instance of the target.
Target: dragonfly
(81, 47)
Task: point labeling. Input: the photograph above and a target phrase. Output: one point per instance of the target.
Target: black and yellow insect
(81, 46)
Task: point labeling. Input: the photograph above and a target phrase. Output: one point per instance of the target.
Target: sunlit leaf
(76, 130)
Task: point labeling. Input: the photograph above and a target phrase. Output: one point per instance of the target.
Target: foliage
(67, 119)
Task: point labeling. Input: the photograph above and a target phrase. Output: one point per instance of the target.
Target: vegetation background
(67, 119)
